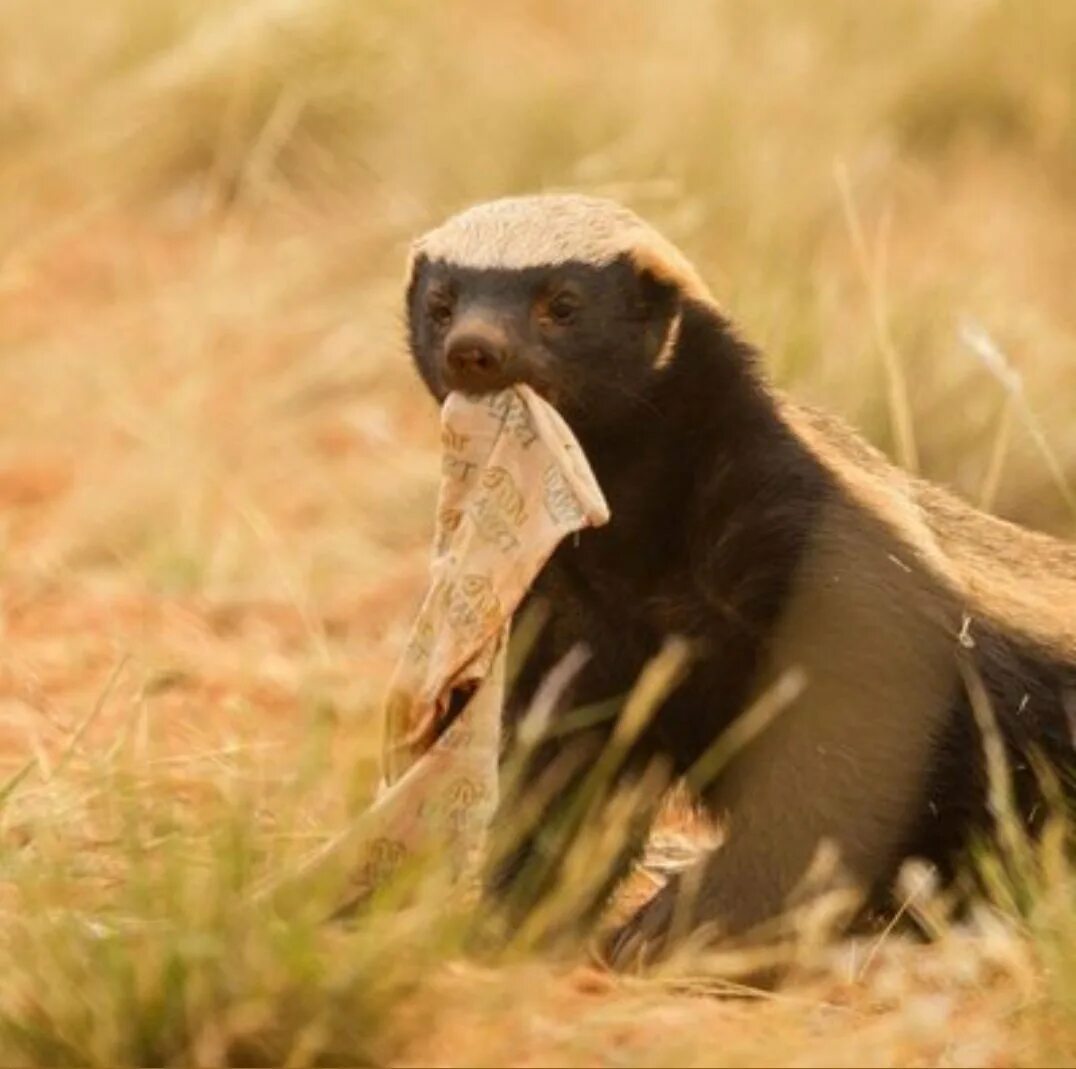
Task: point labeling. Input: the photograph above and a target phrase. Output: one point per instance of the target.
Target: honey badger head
(574, 295)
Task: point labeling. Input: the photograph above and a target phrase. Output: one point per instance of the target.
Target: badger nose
(475, 363)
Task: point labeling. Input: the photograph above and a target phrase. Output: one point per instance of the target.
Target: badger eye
(562, 307)
(439, 307)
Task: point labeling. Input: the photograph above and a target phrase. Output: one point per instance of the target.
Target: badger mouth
(545, 390)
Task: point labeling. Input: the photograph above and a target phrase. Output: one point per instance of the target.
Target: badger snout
(477, 358)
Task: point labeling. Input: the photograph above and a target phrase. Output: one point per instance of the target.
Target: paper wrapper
(514, 484)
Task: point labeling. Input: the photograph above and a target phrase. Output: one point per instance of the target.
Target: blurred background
(216, 466)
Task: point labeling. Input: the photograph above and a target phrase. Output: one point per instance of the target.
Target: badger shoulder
(1020, 580)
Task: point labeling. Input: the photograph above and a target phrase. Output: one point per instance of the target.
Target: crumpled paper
(514, 484)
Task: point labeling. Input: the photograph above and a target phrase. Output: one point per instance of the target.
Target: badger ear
(658, 297)
(416, 261)
(660, 303)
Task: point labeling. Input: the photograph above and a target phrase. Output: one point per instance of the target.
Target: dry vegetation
(216, 473)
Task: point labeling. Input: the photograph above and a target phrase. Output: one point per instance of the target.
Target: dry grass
(216, 471)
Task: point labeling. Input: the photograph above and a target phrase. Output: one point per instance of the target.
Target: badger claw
(642, 939)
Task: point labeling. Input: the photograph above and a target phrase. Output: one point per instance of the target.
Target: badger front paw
(644, 938)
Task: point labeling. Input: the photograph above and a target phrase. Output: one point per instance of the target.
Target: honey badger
(772, 538)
